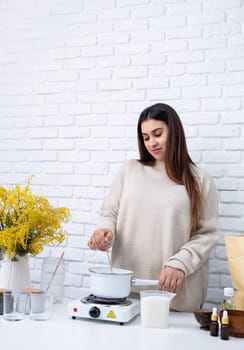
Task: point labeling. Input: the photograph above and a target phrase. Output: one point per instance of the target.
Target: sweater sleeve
(196, 251)
(110, 206)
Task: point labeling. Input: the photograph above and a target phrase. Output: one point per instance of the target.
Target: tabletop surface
(62, 332)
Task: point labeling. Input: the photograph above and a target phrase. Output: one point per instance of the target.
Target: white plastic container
(155, 308)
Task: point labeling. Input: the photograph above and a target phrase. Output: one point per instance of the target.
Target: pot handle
(142, 282)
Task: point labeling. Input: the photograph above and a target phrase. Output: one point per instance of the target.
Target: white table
(61, 332)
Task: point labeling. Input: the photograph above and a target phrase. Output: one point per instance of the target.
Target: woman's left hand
(171, 279)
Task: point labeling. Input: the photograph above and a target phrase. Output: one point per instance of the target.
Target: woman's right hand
(101, 239)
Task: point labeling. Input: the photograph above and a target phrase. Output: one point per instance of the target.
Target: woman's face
(155, 134)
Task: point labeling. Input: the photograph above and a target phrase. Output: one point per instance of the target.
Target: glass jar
(228, 302)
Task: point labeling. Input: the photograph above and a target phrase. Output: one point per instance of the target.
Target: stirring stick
(54, 272)
(109, 261)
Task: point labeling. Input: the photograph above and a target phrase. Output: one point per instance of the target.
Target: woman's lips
(156, 150)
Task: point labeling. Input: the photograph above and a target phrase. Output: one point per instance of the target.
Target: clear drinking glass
(52, 277)
(14, 306)
(40, 306)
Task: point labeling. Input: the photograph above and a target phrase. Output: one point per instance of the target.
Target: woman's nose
(153, 141)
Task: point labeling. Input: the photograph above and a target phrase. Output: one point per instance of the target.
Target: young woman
(160, 216)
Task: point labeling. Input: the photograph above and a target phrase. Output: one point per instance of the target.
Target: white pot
(15, 275)
(116, 284)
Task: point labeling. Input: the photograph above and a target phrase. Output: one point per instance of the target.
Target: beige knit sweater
(149, 215)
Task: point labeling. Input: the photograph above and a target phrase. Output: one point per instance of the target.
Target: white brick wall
(74, 76)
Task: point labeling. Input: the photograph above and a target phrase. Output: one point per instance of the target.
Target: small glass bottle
(228, 302)
(214, 325)
(224, 331)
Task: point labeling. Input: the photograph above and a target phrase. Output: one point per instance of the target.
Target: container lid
(229, 292)
(31, 290)
(4, 290)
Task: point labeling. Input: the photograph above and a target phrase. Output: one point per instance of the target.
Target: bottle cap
(229, 292)
(225, 318)
(214, 315)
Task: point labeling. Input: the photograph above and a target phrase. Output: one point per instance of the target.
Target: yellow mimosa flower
(28, 222)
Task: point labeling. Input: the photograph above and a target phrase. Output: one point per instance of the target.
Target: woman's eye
(158, 135)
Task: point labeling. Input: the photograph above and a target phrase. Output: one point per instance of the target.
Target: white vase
(15, 275)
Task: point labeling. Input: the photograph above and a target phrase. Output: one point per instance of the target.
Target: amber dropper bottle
(214, 325)
(224, 331)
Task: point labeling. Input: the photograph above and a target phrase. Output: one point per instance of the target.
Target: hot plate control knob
(94, 312)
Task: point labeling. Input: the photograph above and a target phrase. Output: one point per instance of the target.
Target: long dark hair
(178, 163)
